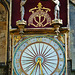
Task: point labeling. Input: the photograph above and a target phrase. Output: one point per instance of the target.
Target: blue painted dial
(50, 52)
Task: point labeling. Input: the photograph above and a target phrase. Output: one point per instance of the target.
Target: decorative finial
(39, 5)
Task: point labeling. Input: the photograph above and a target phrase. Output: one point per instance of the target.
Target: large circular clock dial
(47, 53)
(39, 56)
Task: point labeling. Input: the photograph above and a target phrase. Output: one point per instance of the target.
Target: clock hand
(39, 61)
(40, 65)
(34, 67)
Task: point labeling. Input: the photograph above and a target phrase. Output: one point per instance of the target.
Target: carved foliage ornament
(39, 16)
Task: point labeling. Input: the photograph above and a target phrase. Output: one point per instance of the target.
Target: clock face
(39, 56)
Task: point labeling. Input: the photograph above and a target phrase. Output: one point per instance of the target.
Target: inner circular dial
(38, 58)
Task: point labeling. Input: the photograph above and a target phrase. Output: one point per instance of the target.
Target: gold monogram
(39, 16)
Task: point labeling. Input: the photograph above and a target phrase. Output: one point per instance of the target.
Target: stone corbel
(57, 23)
(21, 24)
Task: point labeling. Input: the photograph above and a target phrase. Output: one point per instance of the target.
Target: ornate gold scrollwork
(39, 16)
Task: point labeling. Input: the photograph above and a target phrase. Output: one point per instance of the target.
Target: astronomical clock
(40, 50)
(39, 55)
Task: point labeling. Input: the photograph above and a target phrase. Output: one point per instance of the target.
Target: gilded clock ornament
(39, 16)
(39, 55)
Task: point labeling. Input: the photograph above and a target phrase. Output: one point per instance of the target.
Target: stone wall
(72, 33)
(3, 34)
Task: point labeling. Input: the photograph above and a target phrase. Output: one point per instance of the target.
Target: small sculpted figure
(57, 9)
(22, 10)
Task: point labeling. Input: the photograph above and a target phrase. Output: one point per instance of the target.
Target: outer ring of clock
(16, 50)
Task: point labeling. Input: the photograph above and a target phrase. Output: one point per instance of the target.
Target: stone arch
(3, 31)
